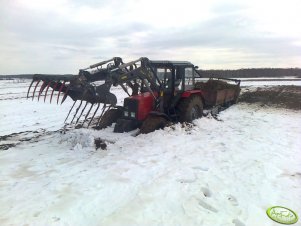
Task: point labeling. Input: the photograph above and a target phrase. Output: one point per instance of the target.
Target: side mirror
(196, 67)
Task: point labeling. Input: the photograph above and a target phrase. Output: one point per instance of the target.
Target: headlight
(126, 113)
(133, 114)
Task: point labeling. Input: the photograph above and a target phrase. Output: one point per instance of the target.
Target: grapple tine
(46, 90)
(65, 95)
(35, 88)
(102, 111)
(70, 111)
(60, 90)
(81, 112)
(93, 115)
(53, 88)
(41, 89)
(77, 110)
(88, 112)
(30, 87)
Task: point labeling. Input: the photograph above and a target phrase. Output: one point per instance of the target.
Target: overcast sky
(62, 36)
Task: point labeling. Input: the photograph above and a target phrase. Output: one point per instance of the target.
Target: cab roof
(169, 63)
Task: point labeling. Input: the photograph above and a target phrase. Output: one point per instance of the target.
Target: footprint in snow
(203, 168)
(237, 222)
(189, 178)
(186, 180)
(232, 200)
(206, 192)
(36, 214)
(207, 206)
(55, 219)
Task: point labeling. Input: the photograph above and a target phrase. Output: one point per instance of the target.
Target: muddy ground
(275, 96)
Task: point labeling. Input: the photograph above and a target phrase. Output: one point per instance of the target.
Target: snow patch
(78, 139)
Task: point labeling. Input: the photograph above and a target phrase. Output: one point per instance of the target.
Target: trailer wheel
(109, 117)
(152, 123)
(190, 108)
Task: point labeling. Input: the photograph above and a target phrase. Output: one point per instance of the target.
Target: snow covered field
(218, 172)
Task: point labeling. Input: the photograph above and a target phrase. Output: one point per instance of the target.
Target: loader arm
(134, 71)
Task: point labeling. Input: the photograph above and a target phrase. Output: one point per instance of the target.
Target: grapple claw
(35, 88)
(53, 88)
(82, 87)
(46, 91)
(41, 89)
(60, 90)
(29, 88)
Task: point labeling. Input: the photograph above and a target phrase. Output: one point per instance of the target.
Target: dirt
(6, 146)
(14, 139)
(99, 143)
(212, 84)
(275, 96)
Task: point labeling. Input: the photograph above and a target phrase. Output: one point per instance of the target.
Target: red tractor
(159, 92)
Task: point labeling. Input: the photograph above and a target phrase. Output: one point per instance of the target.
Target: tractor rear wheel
(109, 117)
(152, 123)
(190, 108)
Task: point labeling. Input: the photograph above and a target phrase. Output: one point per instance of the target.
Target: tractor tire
(190, 108)
(109, 117)
(125, 125)
(152, 123)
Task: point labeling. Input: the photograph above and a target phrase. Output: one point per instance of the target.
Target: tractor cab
(176, 77)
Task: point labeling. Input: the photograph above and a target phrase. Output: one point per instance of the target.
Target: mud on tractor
(158, 92)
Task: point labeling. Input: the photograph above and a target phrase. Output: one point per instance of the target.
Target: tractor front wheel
(190, 108)
(152, 123)
(109, 117)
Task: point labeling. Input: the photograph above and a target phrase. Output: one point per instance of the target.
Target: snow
(216, 172)
(271, 83)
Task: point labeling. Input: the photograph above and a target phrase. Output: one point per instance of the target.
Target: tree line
(252, 73)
